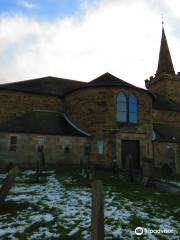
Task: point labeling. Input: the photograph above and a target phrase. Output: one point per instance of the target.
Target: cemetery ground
(59, 207)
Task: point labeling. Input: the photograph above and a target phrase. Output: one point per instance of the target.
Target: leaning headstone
(114, 166)
(40, 164)
(97, 214)
(8, 182)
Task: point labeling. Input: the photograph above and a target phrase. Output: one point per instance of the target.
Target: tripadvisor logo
(139, 231)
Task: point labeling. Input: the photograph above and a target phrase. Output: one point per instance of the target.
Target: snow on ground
(47, 196)
(54, 211)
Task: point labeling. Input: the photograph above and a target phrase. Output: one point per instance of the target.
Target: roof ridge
(35, 79)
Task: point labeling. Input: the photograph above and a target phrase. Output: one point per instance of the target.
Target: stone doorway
(130, 148)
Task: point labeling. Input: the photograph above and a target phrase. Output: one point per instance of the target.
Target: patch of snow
(48, 217)
(157, 193)
(72, 210)
(74, 231)
(29, 172)
(42, 231)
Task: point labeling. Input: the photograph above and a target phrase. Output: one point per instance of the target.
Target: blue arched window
(133, 109)
(121, 107)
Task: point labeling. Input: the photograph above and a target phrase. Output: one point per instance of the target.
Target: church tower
(166, 82)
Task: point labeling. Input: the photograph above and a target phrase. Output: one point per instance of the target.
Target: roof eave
(74, 126)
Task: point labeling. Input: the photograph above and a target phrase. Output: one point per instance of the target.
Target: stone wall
(160, 148)
(25, 155)
(94, 110)
(15, 103)
(168, 117)
(161, 156)
(166, 85)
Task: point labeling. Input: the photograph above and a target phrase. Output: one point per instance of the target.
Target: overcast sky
(82, 39)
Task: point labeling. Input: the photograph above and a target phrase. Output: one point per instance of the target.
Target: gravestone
(88, 166)
(7, 183)
(97, 214)
(40, 163)
(147, 171)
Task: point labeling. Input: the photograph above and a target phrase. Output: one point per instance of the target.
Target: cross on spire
(162, 19)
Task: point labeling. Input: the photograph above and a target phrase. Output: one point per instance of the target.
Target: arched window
(133, 109)
(121, 108)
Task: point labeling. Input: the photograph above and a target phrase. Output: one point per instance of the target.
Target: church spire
(165, 64)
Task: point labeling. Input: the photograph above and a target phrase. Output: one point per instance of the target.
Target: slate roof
(166, 133)
(42, 122)
(60, 86)
(45, 85)
(109, 80)
(162, 103)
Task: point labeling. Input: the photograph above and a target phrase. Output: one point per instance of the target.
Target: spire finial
(162, 19)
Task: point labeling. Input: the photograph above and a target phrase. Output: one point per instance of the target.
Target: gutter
(74, 126)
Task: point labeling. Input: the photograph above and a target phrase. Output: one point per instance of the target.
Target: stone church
(106, 119)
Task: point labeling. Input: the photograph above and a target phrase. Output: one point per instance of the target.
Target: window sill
(127, 124)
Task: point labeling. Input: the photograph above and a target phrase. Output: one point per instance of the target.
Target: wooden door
(131, 147)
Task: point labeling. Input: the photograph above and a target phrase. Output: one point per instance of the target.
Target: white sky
(117, 36)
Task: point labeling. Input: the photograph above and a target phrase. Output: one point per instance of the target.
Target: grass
(14, 207)
(174, 177)
(156, 200)
(127, 205)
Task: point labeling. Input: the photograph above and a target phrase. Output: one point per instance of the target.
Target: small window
(41, 141)
(154, 135)
(133, 109)
(13, 143)
(100, 147)
(67, 145)
(121, 108)
(87, 149)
